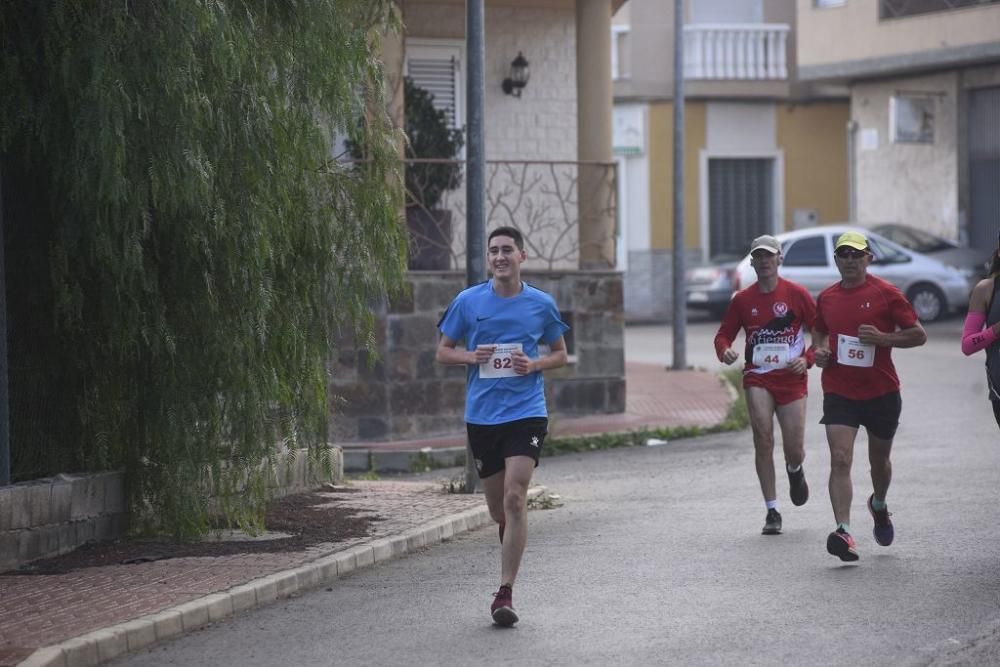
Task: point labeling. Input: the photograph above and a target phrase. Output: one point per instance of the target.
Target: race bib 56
(852, 352)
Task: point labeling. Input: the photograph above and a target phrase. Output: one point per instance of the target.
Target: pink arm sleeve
(974, 338)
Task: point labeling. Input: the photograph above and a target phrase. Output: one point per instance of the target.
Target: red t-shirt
(776, 317)
(840, 311)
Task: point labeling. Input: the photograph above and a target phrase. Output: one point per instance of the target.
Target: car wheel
(928, 301)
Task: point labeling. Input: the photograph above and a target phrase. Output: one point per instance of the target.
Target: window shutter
(436, 69)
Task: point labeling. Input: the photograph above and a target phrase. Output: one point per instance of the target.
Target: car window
(808, 251)
(884, 254)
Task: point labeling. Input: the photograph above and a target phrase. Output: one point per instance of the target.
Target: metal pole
(475, 174)
(4, 406)
(852, 200)
(680, 307)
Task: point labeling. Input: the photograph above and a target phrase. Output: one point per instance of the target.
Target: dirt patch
(309, 518)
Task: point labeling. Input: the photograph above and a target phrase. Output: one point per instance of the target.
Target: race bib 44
(770, 355)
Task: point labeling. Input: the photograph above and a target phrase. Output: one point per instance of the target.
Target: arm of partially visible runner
(449, 354)
(974, 337)
(556, 358)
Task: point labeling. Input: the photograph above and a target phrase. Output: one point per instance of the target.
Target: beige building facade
(764, 152)
(924, 82)
(548, 146)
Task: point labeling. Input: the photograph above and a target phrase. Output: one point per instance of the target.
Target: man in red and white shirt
(858, 322)
(774, 314)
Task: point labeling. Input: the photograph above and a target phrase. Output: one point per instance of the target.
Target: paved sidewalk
(89, 616)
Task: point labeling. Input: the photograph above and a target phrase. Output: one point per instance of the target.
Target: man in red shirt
(774, 314)
(858, 322)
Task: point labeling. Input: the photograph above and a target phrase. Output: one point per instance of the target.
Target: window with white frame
(436, 66)
(620, 65)
(895, 9)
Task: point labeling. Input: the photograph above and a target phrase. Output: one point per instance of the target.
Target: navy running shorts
(493, 444)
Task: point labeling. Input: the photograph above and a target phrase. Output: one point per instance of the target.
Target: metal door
(984, 167)
(740, 203)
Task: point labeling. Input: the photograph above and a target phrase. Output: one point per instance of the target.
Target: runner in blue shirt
(502, 322)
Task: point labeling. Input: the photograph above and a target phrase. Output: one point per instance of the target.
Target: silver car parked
(935, 289)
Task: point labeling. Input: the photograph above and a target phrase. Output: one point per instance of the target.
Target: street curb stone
(108, 643)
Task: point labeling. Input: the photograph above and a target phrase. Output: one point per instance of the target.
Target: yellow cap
(854, 240)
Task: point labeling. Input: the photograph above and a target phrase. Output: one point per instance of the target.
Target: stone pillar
(596, 183)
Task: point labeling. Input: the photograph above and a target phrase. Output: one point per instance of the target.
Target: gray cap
(766, 242)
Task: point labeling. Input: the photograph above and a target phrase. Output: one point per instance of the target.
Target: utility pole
(4, 397)
(680, 307)
(475, 173)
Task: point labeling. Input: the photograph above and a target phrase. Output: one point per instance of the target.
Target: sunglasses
(850, 253)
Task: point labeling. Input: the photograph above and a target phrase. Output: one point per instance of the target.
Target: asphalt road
(656, 557)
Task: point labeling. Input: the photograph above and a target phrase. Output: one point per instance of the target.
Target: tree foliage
(181, 243)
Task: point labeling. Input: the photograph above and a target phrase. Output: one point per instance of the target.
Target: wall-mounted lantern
(519, 75)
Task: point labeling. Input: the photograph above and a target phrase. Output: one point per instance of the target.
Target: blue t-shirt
(480, 317)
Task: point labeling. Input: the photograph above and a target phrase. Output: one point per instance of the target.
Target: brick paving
(43, 610)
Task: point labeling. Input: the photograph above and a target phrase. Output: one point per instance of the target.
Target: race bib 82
(501, 364)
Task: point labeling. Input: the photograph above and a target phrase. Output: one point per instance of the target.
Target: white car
(935, 289)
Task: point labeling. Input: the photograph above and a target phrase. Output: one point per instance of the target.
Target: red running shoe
(502, 609)
(841, 544)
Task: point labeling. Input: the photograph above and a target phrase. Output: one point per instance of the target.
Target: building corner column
(595, 107)
(393, 57)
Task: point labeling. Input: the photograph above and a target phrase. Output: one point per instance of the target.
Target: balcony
(749, 52)
(541, 198)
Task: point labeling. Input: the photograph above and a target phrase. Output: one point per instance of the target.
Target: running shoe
(503, 607)
(841, 544)
(797, 486)
(772, 523)
(883, 530)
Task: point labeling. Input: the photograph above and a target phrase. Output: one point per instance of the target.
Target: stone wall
(403, 394)
(53, 516)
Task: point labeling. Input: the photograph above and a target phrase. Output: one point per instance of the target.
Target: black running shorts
(880, 415)
(493, 444)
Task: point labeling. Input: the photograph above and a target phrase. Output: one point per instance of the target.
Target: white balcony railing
(754, 51)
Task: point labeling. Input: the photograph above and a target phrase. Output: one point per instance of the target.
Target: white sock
(771, 504)
(793, 469)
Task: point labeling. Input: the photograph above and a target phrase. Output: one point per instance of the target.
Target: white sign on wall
(869, 139)
(629, 132)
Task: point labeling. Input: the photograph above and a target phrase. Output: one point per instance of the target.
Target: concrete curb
(106, 644)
